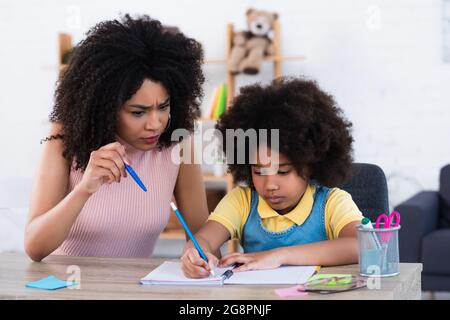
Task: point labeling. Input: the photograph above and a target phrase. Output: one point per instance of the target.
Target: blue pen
(135, 177)
(188, 231)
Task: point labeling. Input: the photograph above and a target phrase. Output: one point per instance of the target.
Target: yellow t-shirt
(233, 210)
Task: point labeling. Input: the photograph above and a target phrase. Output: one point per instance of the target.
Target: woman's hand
(106, 165)
(269, 259)
(194, 266)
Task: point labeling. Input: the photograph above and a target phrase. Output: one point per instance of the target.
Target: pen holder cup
(378, 251)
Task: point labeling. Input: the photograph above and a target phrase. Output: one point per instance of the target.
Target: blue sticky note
(50, 283)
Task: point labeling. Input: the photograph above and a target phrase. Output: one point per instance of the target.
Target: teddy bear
(250, 47)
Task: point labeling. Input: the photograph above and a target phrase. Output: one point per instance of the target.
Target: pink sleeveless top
(120, 219)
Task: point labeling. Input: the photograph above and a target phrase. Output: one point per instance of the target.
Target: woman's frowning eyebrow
(144, 107)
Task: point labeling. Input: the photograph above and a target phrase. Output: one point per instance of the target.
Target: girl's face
(277, 181)
(144, 117)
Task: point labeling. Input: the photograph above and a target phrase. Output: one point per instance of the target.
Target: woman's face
(144, 117)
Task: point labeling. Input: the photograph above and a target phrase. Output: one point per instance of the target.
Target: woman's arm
(190, 196)
(52, 211)
(189, 192)
(341, 251)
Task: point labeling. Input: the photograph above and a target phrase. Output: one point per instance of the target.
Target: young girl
(290, 216)
(128, 86)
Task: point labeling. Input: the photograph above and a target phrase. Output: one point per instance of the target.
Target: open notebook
(170, 273)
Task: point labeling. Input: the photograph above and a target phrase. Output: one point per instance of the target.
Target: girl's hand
(252, 261)
(106, 165)
(194, 266)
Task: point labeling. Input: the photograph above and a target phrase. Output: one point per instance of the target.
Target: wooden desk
(117, 278)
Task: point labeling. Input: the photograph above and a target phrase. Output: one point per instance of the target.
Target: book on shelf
(218, 102)
(214, 98)
(222, 101)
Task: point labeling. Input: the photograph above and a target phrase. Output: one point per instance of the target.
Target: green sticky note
(335, 279)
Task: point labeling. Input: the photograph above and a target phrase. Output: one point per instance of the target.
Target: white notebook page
(170, 273)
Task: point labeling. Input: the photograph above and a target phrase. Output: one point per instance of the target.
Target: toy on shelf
(250, 47)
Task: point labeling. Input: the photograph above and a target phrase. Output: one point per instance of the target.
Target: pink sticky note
(291, 291)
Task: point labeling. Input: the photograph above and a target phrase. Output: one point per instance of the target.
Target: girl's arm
(210, 238)
(341, 251)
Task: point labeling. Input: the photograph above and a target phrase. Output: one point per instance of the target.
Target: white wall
(382, 60)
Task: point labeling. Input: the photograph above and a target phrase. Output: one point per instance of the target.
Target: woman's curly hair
(313, 134)
(109, 66)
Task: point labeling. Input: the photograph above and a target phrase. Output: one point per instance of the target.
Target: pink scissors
(388, 222)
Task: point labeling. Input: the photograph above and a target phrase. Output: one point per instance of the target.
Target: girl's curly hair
(313, 133)
(109, 66)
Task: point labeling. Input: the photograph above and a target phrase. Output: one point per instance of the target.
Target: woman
(128, 86)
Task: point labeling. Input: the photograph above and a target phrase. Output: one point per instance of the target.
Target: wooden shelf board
(267, 58)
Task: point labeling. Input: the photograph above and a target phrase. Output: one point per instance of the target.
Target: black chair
(425, 233)
(368, 188)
